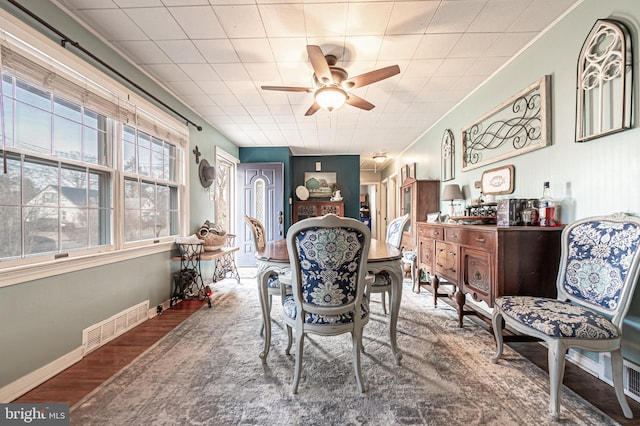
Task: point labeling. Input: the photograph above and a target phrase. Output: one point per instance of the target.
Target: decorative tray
(475, 220)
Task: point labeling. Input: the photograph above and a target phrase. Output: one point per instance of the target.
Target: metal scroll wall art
(605, 74)
(521, 124)
(448, 146)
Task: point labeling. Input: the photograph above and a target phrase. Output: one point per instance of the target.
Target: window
(150, 190)
(62, 183)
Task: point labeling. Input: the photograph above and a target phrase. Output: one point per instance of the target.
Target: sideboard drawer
(480, 240)
(429, 231)
(454, 235)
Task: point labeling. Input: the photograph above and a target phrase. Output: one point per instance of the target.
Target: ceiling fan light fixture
(330, 97)
(379, 158)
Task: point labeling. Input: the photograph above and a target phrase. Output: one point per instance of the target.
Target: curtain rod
(63, 42)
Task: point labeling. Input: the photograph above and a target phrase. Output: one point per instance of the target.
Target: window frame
(21, 38)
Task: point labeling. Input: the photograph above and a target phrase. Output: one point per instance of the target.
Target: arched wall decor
(448, 156)
(605, 81)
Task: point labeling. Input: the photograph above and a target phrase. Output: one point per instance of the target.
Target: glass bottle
(546, 207)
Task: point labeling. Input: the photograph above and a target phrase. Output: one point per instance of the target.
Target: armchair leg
(289, 340)
(262, 328)
(497, 324)
(384, 303)
(356, 337)
(298, 369)
(556, 356)
(618, 382)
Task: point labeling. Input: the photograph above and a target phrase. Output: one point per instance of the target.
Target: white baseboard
(25, 383)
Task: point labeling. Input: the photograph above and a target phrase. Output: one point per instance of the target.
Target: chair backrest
(257, 231)
(395, 229)
(328, 257)
(599, 265)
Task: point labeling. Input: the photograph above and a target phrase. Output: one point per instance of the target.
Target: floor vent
(98, 334)
(632, 381)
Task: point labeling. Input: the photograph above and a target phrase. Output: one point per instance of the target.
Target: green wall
(42, 320)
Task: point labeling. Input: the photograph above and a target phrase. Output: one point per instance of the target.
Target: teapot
(336, 196)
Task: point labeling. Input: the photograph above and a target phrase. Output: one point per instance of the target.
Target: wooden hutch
(417, 198)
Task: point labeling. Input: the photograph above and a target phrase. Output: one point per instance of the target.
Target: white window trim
(50, 266)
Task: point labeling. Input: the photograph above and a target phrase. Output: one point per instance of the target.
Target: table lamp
(452, 192)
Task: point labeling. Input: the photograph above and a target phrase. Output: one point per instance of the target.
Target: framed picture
(403, 174)
(412, 170)
(498, 181)
(320, 184)
(447, 156)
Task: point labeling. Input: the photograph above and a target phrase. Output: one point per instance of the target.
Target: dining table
(274, 259)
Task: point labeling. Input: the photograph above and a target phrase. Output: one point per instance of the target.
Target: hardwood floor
(79, 380)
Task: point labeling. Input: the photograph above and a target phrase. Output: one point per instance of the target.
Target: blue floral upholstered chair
(259, 244)
(597, 275)
(328, 277)
(382, 281)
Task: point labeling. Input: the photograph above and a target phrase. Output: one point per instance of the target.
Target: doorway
(261, 195)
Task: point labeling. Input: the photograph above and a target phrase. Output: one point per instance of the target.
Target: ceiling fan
(332, 83)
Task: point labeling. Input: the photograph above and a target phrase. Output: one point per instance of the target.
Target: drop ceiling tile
(138, 3)
(213, 87)
(436, 45)
(454, 16)
(498, 15)
(187, 87)
(199, 72)
(185, 2)
(198, 22)
(420, 68)
(455, 66)
(472, 45)
(89, 4)
(113, 24)
(225, 101)
(143, 52)
(283, 20)
(231, 72)
(364, 48)
(240, 21)
(540, 14)
(157, 23)
(328, 19)
(253, 49)
(167, 72)
(181, 51)
(199, 102)
(411, 17)
(367, 18)
(263, 73)
(217, 51)
(289, 49)
(399, 47)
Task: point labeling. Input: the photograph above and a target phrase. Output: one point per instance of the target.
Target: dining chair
(328, 276)
(599, 269)
(259, 244)
(382, 280)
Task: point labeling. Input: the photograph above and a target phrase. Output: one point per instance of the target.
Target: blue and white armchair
(599, 269)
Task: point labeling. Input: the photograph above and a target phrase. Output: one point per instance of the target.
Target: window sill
(20, 274)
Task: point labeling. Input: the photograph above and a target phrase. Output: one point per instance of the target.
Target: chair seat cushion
(290, 310)
(273, 282)
(557, 318)
(382, 279)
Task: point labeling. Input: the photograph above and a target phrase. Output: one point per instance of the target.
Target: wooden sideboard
(488, 262)
(417, 198)
(306, 209)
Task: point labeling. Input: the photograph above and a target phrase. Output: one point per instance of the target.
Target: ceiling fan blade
(358, 102)
(288, 88)
(371, 77)
(319, 64)
(312, 109)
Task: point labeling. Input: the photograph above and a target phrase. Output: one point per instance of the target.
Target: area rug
(207, 372)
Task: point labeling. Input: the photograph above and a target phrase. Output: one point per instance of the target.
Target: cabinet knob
(436, 233)
(480, 240)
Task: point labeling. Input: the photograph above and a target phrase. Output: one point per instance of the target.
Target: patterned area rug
(207, 371)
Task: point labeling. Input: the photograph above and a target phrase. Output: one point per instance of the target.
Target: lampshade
(379, 158)
(452, 192)
(330, 97)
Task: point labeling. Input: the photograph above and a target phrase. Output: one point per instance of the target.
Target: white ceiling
(215, 54)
